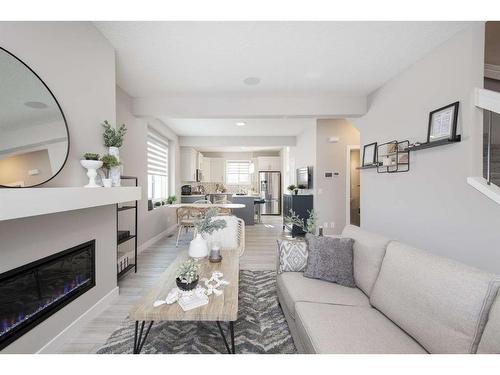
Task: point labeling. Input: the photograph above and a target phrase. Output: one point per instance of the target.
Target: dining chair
(185, 219)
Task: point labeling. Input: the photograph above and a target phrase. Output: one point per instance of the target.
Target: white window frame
(240, 174)
(157, 167)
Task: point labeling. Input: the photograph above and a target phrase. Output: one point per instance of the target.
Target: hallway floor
(259, 255)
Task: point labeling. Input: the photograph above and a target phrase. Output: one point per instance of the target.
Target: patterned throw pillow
(292, 255)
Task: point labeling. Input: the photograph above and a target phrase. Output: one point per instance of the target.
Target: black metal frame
(453, 134)
(140, 336)
(134, 236)
(45, 314)
(62, 114)
(375, 151)
(399, 150)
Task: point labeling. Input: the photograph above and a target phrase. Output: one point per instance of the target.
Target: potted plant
(299, 226)
(171, 199)
(301, 186)
(113, 139)
(206, 224)
(108, 162)
(187, 275)
(92, 163)
(293, 189)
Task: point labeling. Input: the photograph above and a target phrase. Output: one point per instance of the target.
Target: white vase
(107, 182)
(198, 247)
(115, 172)
(91, 166)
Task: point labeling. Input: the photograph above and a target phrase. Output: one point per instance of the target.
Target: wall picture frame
(369, 154)
(443, 123)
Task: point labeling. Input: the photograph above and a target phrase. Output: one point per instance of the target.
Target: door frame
(349, 148)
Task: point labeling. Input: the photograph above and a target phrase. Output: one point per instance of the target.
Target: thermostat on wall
(331, 174)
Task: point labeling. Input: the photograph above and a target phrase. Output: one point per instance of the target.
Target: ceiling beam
(237, 106)
(260, 141)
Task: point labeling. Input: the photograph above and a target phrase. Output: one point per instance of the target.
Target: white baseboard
(55, 344)
(156, 238)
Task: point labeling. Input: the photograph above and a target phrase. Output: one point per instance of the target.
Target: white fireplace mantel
(19, 203)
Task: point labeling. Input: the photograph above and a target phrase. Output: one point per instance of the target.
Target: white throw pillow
(292, 255)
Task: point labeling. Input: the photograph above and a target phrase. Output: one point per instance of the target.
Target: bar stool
(257, 204)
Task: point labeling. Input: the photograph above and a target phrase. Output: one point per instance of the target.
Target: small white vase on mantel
(198, 247)
(92, 166)
(115, 172)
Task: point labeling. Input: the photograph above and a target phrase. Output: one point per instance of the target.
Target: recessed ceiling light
(251, 81)
(241, 123)
(36, 105)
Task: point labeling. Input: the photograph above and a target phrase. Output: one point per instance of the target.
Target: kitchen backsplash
(210, 187)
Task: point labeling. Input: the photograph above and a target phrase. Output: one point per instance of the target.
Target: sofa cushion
(334, 329)
(292, 255)
(368, 252)
(439, 302)
(294, 287)
(330, 259)
(490, 341)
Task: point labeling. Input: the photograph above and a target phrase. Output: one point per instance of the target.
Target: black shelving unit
(128, 236)
(395, 152)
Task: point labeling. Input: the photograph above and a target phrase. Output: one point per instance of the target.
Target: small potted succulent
(171, 199)
(301, 187)
(92, 163)
(187, 275)
(108, 162)
(293, 189)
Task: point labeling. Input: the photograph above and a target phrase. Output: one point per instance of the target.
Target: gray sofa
(406, 301)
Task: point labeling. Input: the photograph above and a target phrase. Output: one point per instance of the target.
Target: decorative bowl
(184, 286)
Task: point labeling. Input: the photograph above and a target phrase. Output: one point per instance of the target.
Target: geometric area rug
(261, 326)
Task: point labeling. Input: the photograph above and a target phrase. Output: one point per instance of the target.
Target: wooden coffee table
(223, 308)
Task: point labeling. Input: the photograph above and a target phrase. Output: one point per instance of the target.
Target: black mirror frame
(62, 114)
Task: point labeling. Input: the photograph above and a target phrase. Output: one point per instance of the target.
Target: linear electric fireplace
(33, 292)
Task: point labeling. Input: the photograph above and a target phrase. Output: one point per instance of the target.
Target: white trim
(487, 99)
(492, 71)
(348, 182)
(491, 191)
(72, 330)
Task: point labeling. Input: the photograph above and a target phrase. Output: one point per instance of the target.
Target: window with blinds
(157, 167)
(238, 172)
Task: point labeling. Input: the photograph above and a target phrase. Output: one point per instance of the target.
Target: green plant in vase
(113, 137)
(171, 199)
(292, 188)
(91, 156)
(187, 275)
(108, 162)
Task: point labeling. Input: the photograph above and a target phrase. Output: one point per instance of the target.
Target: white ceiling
(238, 149)
(178, 58)
(227, 127)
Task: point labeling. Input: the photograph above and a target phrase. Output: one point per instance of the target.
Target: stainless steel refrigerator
(270, 190)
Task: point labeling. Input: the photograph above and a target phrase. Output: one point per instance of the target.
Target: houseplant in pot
(206, 224)
(301, 227)
(301, 187)
(108, 162)
(92, 163)
(293, 189)
(187, 275)
(113, 139)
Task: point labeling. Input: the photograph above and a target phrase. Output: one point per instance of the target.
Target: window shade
(238, 172)
(157, 149)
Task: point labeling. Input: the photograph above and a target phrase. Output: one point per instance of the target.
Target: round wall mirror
(34, 139)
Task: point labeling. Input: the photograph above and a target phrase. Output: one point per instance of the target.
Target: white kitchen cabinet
(189, 164)
(217, 170)
(205, 167)
(269, 163)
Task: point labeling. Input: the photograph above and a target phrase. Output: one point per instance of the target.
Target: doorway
(353, 186)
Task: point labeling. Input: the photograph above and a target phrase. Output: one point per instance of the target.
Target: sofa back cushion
(441, 303)
(490, 341)
(368, 252)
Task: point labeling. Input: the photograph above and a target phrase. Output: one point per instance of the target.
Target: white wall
(330, 198)
(78, 65)
(432, 206)
(133, 156)
(303, 154)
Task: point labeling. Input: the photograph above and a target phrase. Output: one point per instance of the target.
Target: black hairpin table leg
(230, 350)
(139, 339)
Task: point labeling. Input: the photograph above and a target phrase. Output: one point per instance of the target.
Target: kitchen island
(248, 212)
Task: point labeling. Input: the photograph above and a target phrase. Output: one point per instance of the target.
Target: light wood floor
(259, 255)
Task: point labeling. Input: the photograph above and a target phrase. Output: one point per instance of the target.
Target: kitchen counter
(246, 213)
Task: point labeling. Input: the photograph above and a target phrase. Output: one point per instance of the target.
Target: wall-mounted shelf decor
(442, 142)
(393, 157)
(373, 166)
